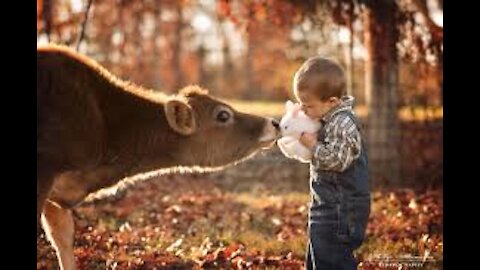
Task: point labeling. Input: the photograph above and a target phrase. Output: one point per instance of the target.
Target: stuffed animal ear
(301, 112)
(296, 109)
(289, 105)
(180, 116)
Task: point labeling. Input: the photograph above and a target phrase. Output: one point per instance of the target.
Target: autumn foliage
(246, 53)
(196, 222)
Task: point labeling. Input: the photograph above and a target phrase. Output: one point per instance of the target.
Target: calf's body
(94, 130)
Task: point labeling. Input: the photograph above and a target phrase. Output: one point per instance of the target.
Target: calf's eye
(223, 116)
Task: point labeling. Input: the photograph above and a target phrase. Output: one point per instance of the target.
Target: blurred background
(246, 53)
(249, 50)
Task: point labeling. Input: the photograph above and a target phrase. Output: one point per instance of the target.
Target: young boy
(340, 204)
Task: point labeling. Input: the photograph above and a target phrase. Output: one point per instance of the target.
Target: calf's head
(212, 133)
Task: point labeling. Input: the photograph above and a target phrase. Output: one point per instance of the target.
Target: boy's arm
(342, 145)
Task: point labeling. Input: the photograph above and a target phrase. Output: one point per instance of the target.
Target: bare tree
(381, 78)
(47, 17)
(84, 24)
(177, 48)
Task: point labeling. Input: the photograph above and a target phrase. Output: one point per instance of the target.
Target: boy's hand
(309, 140)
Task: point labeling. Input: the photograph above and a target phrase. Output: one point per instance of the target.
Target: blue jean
(334, 232)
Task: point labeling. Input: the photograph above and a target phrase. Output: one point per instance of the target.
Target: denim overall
(339, 212)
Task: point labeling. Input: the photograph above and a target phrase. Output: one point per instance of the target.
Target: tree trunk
(177, 50)
(228, 72)
(440, 70)
(250, 85)
(157, 75)
(250, 91)
(381, 82)
(202, 73)
(349, 60)
(47, 17)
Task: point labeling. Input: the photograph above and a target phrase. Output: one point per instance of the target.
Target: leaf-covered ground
(193, 222)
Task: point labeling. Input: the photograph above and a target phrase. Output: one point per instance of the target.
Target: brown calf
(94, 131)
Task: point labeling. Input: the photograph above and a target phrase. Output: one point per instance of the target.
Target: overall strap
(357, 124)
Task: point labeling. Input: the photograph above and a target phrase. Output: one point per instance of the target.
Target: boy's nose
(276, 124)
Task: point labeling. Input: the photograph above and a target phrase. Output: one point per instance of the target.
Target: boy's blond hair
(323, 77)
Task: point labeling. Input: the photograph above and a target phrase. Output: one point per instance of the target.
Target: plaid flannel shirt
(342, 143)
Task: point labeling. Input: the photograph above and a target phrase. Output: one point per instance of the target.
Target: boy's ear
(334, 100)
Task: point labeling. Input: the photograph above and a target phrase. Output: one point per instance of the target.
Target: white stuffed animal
(293, 123)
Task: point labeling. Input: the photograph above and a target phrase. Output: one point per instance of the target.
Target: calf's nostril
(276, 124)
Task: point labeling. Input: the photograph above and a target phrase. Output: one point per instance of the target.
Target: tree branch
(47, 17)
(435, 30)
(84, 24)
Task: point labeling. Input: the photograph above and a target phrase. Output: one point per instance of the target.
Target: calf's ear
(180, 116)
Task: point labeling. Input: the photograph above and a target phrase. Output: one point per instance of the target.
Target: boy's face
(314, 107)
